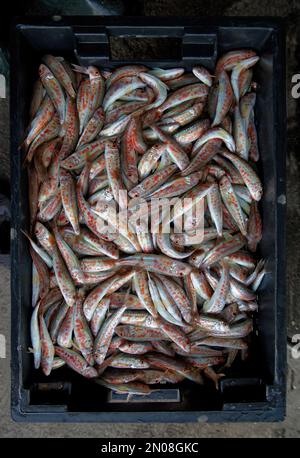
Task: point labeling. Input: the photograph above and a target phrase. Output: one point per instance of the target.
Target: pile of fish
(123, 304)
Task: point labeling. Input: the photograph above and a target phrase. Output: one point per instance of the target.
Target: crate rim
(276, 404)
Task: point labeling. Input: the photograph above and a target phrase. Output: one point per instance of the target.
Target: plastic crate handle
(197, 43)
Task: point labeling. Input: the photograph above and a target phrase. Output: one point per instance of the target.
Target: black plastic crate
(251, 391)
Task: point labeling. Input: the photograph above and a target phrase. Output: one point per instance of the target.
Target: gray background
(291, 426)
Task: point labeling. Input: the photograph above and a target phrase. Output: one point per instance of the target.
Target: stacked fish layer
(119, 294)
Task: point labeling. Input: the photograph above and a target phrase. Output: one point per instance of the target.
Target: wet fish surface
(126, 300)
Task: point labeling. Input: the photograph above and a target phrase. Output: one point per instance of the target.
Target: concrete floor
(291, 426)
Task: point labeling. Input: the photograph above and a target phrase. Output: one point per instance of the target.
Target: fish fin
(26, 235)
(129, 397)
(79, 69)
